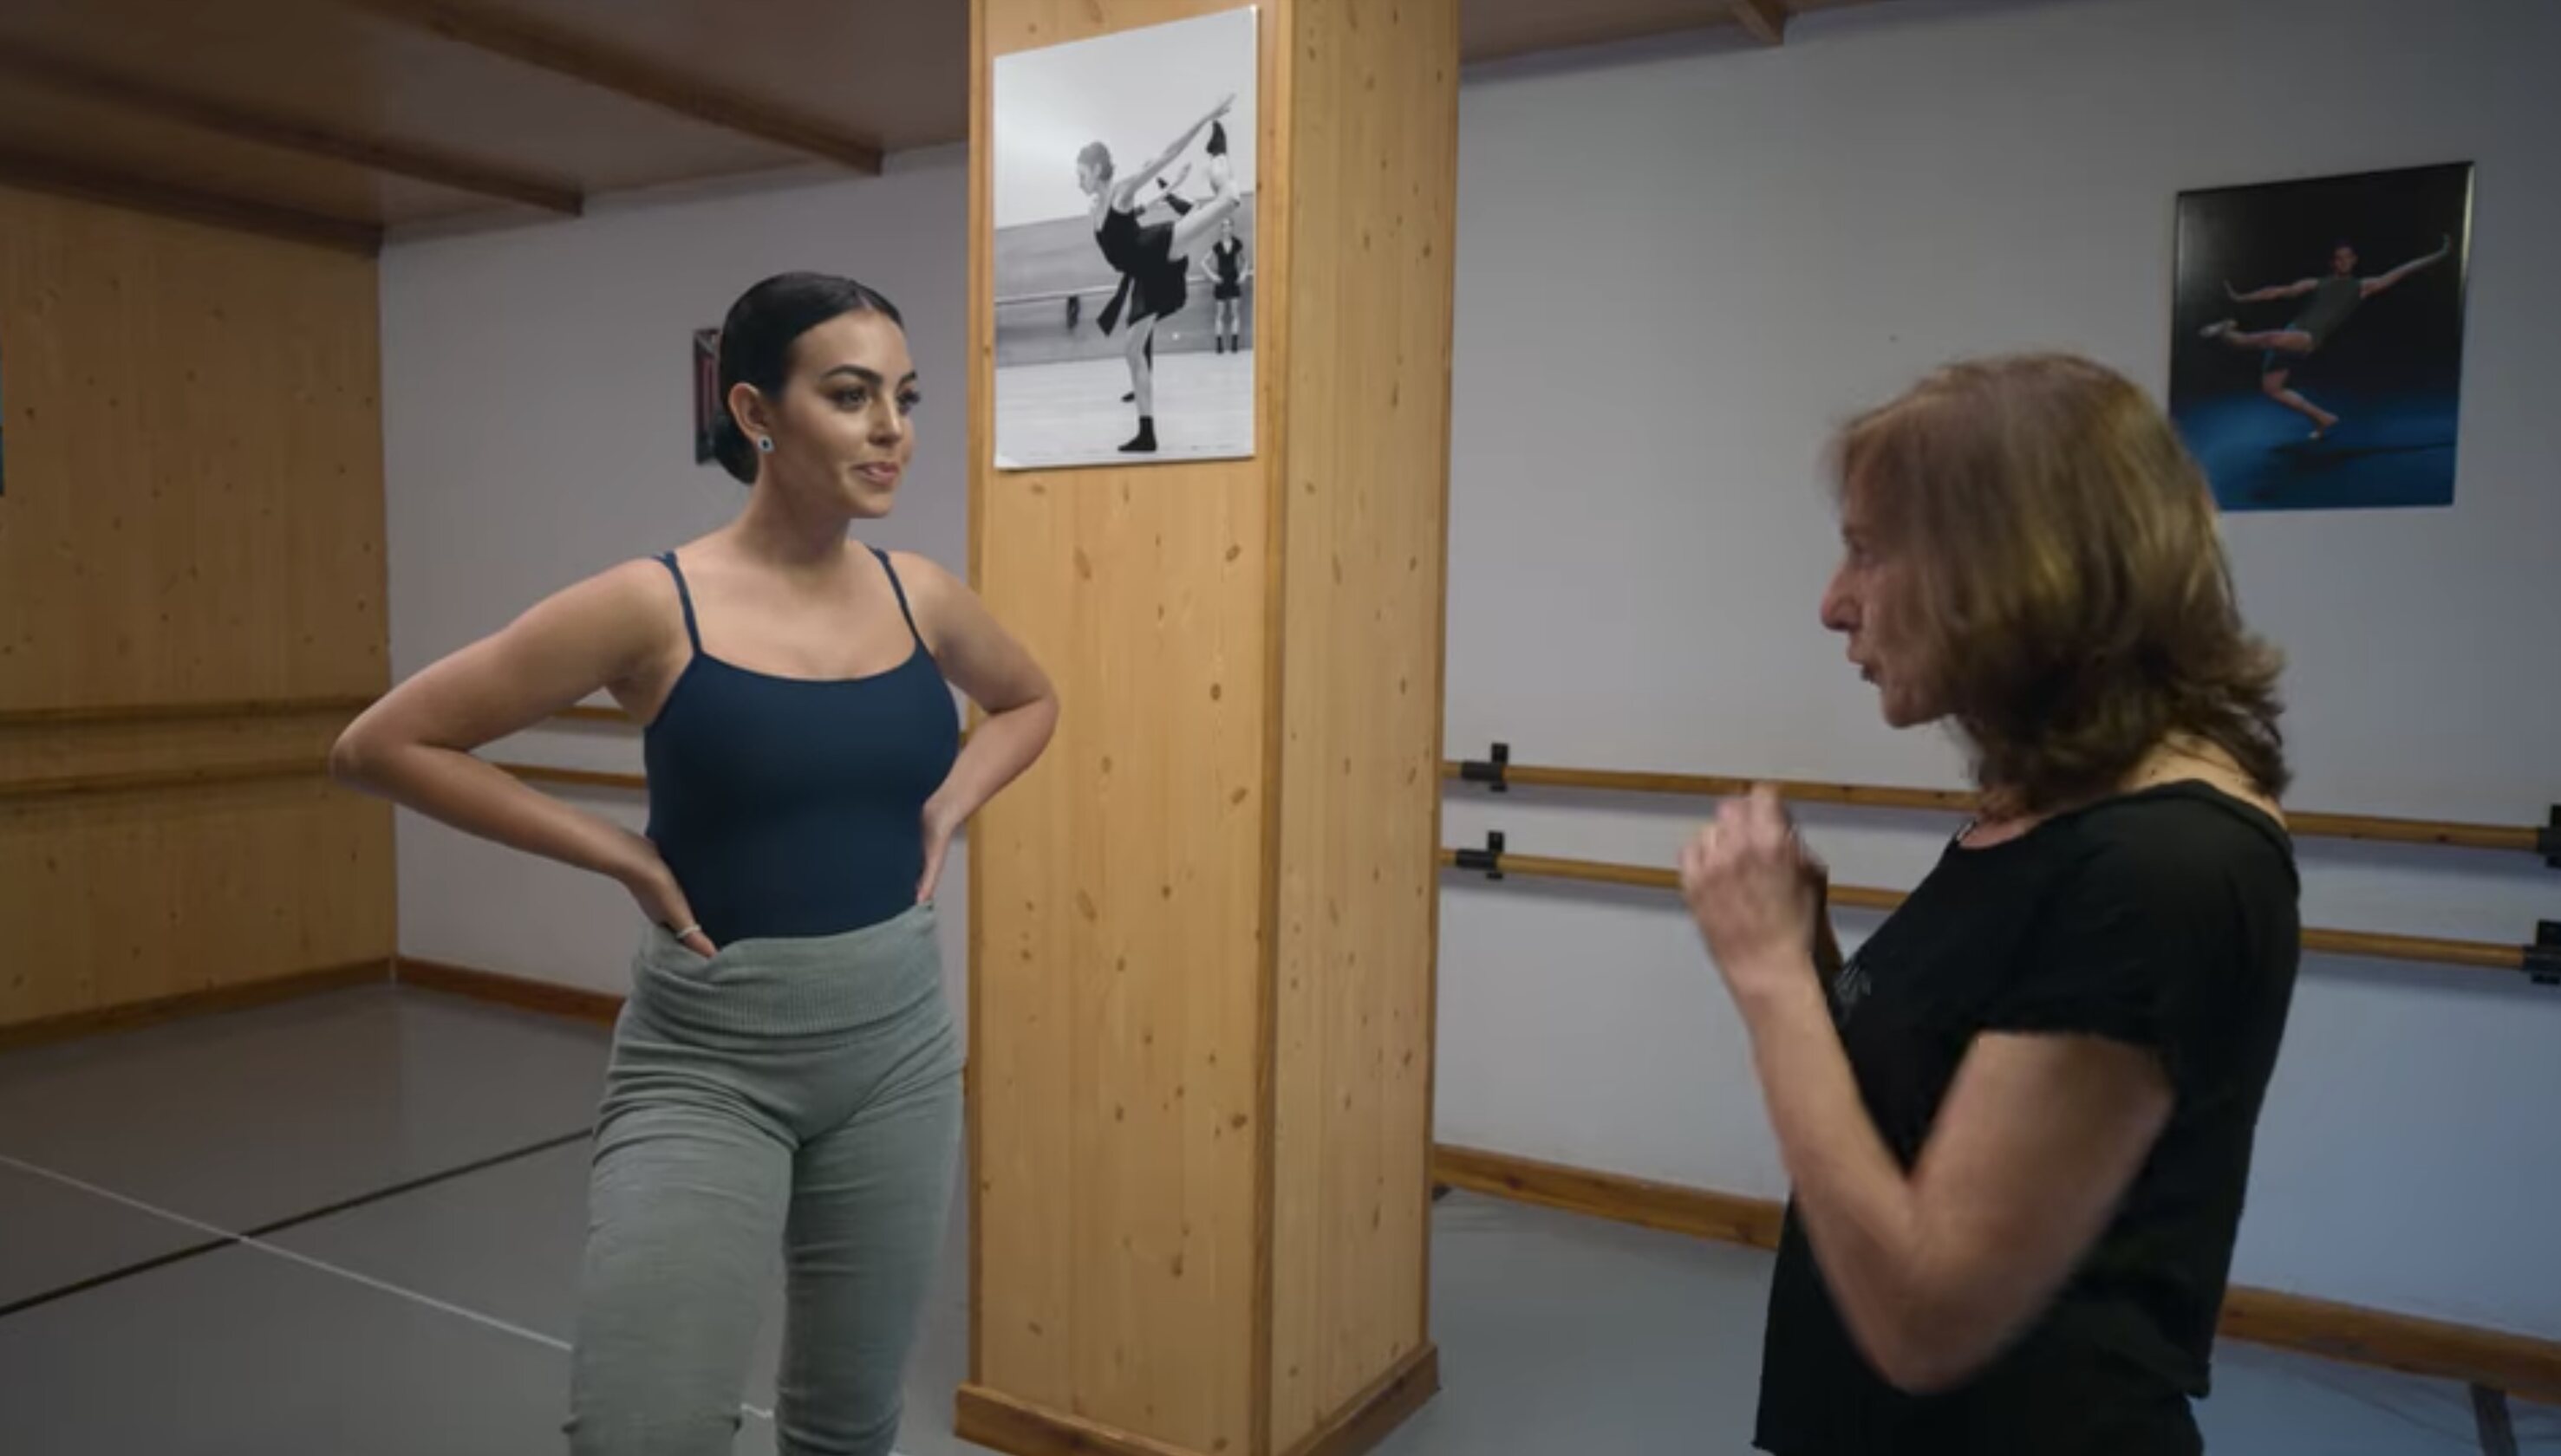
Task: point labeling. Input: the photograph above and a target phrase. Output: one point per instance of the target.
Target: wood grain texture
(1374, 1414)
(131, 899)
(189, 606)
(1116, 896)
(594, 58)
(1372, 149)
(195, 459)
(210, 1002)
(121, 185)
(2497, 1358)
(1669, 1207)
(573, 1002)
(341, 706)
(58, 68)
(1000, 1422)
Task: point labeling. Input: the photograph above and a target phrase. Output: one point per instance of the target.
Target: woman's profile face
(1872, 600)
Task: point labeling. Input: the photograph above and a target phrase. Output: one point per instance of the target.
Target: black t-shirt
(2165, 919)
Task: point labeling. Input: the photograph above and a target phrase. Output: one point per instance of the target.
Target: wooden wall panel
(1119, 948)
(194, 500)
(1374, 152)
(193, 515)
(120, 900)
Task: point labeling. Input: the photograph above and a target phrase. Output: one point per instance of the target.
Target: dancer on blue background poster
(2316, 348)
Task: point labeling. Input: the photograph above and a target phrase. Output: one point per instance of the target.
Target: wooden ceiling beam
(549, 48)
(77, 77)
(1767, 20)
(79, 180)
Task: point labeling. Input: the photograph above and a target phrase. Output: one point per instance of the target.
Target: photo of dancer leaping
(2316, 338)
(2335, 297)
(1153, 260)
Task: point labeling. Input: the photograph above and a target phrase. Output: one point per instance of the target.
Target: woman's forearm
(482, 799)
(1856, 1204)
(999, 750)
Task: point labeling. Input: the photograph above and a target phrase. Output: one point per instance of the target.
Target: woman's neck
(2180, 760)
(773, 531)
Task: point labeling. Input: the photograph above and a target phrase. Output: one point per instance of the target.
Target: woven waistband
(798, 986)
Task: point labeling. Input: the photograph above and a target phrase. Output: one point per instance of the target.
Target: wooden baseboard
(2518, 1364)
(207, 1002)
(1376, 1412)
(573, 1002)
(1002, 1423)
(1671, 1206)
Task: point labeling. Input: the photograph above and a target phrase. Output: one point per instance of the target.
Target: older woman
(2018, 1121)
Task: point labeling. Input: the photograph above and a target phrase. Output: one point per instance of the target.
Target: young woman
(785, 1070)
(2019, 1120)
(1152, 260)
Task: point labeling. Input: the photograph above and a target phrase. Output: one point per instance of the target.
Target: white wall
(537, 426)
(1678, 273)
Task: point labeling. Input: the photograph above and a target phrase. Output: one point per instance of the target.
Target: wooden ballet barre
(2540, 960)
(577, 778)
(131, 713)
(1499, 772)
(211, 775)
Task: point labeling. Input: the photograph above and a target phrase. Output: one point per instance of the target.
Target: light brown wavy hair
(2074, 605)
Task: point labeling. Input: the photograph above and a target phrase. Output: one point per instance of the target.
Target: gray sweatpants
(803, 1094)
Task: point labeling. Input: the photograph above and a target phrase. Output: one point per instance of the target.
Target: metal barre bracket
(1488, 861)
(2543, 957)
(1494, 771)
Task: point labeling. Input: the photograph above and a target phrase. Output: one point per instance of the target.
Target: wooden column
(1203, 929)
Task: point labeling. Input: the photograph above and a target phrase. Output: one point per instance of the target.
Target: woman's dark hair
(756, 346)
(2073, 599)
(1218, 138)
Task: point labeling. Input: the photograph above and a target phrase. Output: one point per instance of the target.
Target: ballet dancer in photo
(1226, 269)
(1152, 259)
(2335, 297)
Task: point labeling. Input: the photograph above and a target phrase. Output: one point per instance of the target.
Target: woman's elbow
(358, 757)
(1920, 1369)
(1932, 1350)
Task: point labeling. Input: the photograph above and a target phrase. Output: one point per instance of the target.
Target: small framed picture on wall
(707, 401)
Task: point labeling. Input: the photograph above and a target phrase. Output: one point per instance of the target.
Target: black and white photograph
(2317, 339)
(1124, 252)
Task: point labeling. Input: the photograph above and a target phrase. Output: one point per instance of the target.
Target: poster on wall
(2316, 338)
(707, 401)
(1124, 221)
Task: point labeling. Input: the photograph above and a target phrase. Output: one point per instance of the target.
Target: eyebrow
(870, 377)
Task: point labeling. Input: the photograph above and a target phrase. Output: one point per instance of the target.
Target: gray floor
(432, 1321)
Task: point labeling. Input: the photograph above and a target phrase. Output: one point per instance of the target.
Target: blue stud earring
(765, 442)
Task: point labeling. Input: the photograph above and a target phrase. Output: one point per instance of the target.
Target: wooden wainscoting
(191, 606)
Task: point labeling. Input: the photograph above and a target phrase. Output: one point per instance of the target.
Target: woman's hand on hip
(661, 898)
(1756, 894)
(940, 824)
